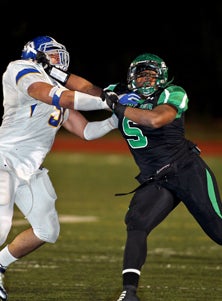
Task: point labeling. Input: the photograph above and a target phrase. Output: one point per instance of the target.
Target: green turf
(85, 263)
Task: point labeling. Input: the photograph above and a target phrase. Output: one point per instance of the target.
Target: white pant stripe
(131, 271)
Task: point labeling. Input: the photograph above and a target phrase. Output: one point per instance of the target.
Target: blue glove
(131, 99)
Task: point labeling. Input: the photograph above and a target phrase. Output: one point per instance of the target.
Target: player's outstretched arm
(67, 79)
(78, 125)
(62, 97)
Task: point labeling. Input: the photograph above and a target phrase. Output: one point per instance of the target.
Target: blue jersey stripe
(25, 72)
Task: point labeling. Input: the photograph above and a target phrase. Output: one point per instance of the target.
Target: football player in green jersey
(150, 111)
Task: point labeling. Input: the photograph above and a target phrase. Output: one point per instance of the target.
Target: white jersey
(29, 126)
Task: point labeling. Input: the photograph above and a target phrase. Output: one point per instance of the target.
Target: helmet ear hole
(46, 45)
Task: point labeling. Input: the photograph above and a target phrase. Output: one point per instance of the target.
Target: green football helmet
(147, 61)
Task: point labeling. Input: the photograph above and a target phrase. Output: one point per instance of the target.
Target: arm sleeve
(97, 129)
(86, 102)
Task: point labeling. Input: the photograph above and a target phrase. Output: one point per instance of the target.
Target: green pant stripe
(211, 194)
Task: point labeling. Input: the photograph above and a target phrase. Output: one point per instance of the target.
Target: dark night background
(103, 39)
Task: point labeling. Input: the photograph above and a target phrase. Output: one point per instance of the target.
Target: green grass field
(85, 263)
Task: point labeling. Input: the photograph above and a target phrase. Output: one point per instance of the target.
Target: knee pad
(37, 202)
(49, 229)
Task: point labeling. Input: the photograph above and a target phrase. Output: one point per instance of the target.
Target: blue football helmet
(48, 46)
(147, 61)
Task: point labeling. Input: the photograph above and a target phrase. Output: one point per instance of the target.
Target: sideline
(118, 145)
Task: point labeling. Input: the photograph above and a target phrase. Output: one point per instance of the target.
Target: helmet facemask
(55, 50)
(50, 48)
(142, 65)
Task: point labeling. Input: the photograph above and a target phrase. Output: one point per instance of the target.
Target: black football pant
(191, 182)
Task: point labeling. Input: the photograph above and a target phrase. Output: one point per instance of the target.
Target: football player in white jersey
(40, 96)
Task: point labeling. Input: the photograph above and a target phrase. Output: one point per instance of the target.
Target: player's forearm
(76, 100)
(97, 129)
(152, 118)
(62, 97)
(85, 102)
(73, 81)
(80, 84)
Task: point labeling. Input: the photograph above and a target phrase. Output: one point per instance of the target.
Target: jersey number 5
(137, 140)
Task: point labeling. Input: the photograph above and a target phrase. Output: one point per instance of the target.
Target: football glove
(131, 99)
(112, 101)
(110, 97)
(42, 58)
